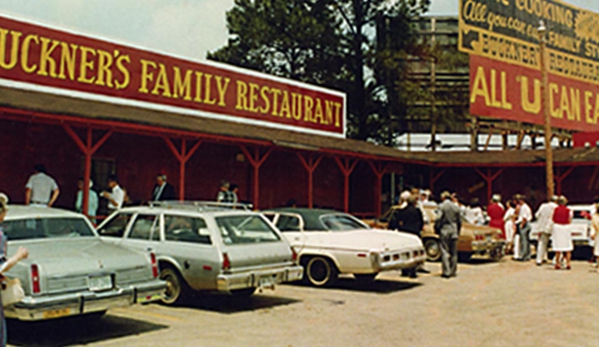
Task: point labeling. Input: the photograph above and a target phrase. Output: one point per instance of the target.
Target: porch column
(347, 166)
(379, 170)
(256, 159)
(560, 177)
(88, 149)
(434, 178)
(489, 178)
(310, 164)
(183, 156)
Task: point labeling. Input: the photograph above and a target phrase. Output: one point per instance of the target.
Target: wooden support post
(256, 159)
(489, 178)
(379, 170)
(561, 176)
(183, 156)
(310, 164)
(346, 166)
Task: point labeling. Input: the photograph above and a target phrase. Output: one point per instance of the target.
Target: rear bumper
(259, 279)
(482, 247)
(43, 307)
(398, 260)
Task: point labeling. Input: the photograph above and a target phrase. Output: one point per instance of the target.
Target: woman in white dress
(562, 237)
(510, 226)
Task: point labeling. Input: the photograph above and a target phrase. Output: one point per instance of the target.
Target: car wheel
(320, 272)
(175, 286)
(365, 278)
(243, 293)
(433, 249)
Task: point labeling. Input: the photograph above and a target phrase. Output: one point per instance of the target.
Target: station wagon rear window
(38, 228)
(245, 229)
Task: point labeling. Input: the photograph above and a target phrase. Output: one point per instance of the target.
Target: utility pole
(546, 115)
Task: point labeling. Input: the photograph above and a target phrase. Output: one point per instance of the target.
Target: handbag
(12, 292)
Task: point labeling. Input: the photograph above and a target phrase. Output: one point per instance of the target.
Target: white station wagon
(329, 243)
(206, 247)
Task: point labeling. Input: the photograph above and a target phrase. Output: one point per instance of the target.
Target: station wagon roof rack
(202, 205)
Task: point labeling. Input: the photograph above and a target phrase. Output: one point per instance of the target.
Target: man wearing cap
(544, 227)
(448, 225)
(41, 189)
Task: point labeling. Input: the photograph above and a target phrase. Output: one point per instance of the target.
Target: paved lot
(488, 304)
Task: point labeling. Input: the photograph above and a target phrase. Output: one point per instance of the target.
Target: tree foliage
(356, 46)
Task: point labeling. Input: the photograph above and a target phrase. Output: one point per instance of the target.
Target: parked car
(70, 270)
(330, 243)
(206, 247)
(474, 239)
(580, 227)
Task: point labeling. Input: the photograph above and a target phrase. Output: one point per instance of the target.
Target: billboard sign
(56, 61)
(503, 41)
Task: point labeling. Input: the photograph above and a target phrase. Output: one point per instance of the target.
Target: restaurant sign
(34, 56)
(503, 40)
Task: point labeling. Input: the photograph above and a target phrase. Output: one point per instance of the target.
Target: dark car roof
(311, 216)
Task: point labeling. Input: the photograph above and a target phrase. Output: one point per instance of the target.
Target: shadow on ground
(75, 331)
(381, 286)
(223, 303)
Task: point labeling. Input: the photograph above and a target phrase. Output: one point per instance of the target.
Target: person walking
(41, 189)
(92, 200)
(544, 217)
(562, 238)
(496, 211)
(523, 227)
(6, 264)
(448, 225)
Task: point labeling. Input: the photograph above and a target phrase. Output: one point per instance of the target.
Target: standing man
(92, 200)
(523, 227)
(41, 189)
(448, 225)
(163, 190)
(116, 197)
(224, 194)
(544, 218)
(410, 220)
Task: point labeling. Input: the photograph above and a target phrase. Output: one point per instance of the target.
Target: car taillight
(226, 262)
(154, 265)
(35, 279)
(479, 237)
(293, 255)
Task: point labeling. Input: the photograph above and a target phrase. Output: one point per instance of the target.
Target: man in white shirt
(523, 227)
(544, 222)
(41, 189)
(116, 198)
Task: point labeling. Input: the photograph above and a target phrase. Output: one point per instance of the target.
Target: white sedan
(330, 243)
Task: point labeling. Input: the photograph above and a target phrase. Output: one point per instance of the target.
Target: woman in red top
(562, 239)
(495, 211)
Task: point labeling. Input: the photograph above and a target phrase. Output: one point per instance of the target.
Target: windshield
(245, 229)
(341, 222)
(39, 228)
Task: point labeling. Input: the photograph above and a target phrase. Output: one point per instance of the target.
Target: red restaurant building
(86, 107)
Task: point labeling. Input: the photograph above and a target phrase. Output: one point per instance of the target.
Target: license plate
(61, 312)
(148, 298)
(267, 282)
(98, 283)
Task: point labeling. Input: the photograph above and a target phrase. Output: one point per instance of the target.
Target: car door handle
(149, 249)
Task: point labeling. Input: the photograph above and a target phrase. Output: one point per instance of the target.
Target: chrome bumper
(399, 260)
(43, 307)
(259, 279)
(482, 247)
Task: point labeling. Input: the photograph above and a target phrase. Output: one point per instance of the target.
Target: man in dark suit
(408, 219)
(163, 190)
(448, 224)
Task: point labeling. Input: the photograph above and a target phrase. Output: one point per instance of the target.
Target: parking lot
(488, 304)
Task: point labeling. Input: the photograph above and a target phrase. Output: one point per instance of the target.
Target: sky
(187, 28)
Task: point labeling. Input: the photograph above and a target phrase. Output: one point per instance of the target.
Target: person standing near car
(562, 238)
(409, 219)
(41, 189)
(163, 191)
(117, 195)
(523, 227)
(92, 199)
(448, 225)
(496, 211)
(224, 194)
(544, 227)
(595, 230)
(6, 264)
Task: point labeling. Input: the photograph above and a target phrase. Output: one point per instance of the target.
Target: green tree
(333, 43)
